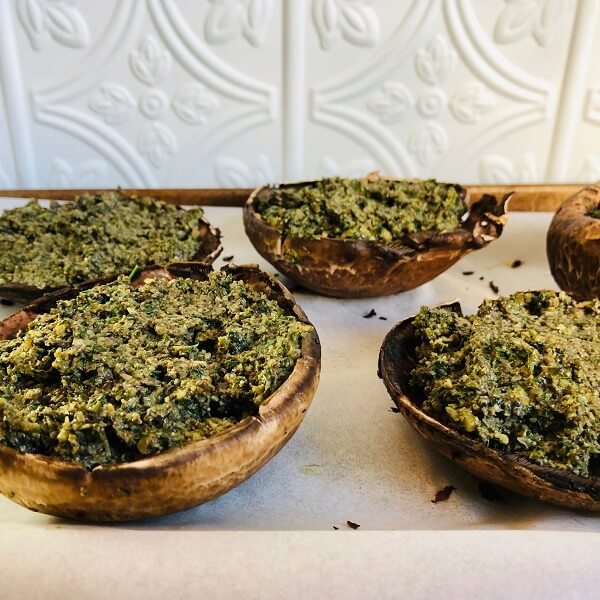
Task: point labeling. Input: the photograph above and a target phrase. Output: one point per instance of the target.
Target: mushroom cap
(209, 248)
(360, 269)
(397, 359)
(573, 245)
(178, 478)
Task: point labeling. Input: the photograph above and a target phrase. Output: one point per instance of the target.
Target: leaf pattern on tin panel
(495, 168)
(521, 18)
(359, 23)
(150, 62)
(590, 170)
(471, 103)
(57, 20)
(391, 102)
(435, 62)
(256, 20)
(113, 102)
(428, 143)
(158, 144)
(193, 104)
(227, 19)
(592, 105)
(353, 20)
(356, 168)
(88, 173)
(233, 172)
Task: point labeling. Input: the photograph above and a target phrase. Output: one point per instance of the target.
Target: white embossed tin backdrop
(205, 93)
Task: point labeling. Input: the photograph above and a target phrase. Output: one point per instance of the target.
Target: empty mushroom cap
(397, 359)
(178, 478)
(573, 245)
(358, 269)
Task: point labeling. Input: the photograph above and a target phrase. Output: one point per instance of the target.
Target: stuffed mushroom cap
(357, 268)
(397, 361)
(181, 477)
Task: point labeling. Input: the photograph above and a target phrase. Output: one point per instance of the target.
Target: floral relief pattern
(151, 63)
(56, 20)
(590, 170)
(428, 142)
(193, 104)
(89, 173)
(592, 105)
(390, 103)
(495, 168)
(353, 20)
(522, 18)
(359, 167)
(235, 173)
(435, 62)
(113, 102)
(471, 103)
(228, 19)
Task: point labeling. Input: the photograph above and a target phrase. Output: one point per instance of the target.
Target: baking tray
(353, 459)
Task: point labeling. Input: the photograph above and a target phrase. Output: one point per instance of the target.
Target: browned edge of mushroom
(178, 478)
(208, 250)
(360, 269)
(573, 245)
(397, 359)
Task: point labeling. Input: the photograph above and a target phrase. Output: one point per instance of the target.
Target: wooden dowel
(526, 197)
(190, 196)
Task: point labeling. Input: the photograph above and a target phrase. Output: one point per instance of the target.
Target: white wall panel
(236, 92)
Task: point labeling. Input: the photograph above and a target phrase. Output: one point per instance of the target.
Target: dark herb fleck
(490, 492)
(481, 278)
(494, 287)
(228, 258)
(352, 525)
(468, 272)
(383, 318)
(443, 494)
(336, 528)
(394, 409)
(516, 264)
(369, 314)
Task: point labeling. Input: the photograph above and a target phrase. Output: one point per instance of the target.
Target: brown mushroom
(573, 244)
(178, 478)
(397, 359)
(209, 248)
(359, 269)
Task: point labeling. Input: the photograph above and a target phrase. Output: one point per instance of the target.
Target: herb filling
(521, 375)
(371, 209)
(120, 372)
(92, 236)
(594, 213)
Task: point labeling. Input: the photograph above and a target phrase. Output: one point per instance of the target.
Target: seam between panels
(293, 96)
(572, 90)
(16, 101)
